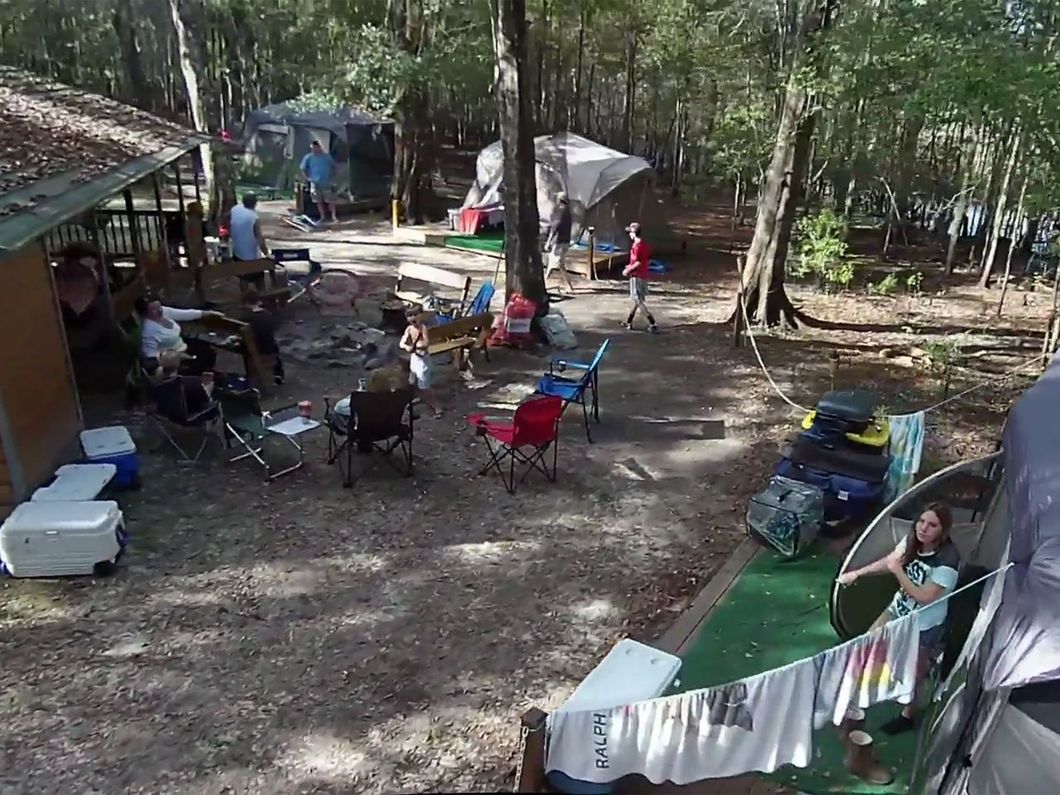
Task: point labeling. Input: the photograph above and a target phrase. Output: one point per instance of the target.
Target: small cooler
(113, 445)
(76, 483)
(630, 672)
(57, 539)
(786, 515)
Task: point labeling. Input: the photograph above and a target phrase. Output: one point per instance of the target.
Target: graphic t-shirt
(938, 567)
(756, 724)
(639, 257)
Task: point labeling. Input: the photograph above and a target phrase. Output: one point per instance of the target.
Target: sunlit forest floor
(297, 636)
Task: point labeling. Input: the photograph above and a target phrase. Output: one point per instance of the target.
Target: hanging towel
(876, 667)
(756, 724)
(907, 446)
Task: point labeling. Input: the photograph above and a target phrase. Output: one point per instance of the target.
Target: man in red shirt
(637, 271)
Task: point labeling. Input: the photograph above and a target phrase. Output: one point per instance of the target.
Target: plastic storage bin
(76, 483)
(630, 672)
(113, 445)
(56, 539)
(786, 515)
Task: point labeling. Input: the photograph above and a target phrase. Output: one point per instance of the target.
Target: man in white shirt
(248, 242)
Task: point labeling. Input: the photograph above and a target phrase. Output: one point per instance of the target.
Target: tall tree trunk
(413, 143)
(1012, 245)
(963, 198)
(582, 18)
(137, 91)
(763, 274)
(999, 210)
(187, 16)
(631, 90)
(524, 271)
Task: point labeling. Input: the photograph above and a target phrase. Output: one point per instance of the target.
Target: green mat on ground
(490, 242)
(774, 614)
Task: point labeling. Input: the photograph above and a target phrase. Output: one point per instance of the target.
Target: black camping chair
(378, 421)
(172, 407)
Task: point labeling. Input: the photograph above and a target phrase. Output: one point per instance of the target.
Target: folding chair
(171, 407)
(248, 424)
(282, 256)
(535, 426)
(572, 390)
(377, 422)
(481, 302)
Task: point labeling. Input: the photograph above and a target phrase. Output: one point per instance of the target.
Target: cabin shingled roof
(50, 129)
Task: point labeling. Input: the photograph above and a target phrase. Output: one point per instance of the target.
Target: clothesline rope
(780, 393)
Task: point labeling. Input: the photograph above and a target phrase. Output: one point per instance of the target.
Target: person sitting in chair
(189, 400)
(160, 332)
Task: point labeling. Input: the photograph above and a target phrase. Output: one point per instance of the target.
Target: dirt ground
(301, 637)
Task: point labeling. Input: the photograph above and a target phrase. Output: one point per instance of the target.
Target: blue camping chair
(283, 255)
(481, 302)
(572, 390)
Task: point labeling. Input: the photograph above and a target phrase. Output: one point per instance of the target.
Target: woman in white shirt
(160, 333)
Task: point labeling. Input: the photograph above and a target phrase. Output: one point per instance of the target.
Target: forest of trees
(835, 103)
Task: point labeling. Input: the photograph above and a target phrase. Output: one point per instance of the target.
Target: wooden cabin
(65, 157)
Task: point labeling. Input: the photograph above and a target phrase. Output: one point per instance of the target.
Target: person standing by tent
(248, 241)
(637, 272)
(558, 242)
(925, 565)
(319, 168)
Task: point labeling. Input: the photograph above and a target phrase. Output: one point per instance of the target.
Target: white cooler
(630, 672)
(56, 539)
(76, 483)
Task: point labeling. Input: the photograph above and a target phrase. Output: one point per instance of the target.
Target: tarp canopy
(606, 188)
(276, 137)
(1026, 646)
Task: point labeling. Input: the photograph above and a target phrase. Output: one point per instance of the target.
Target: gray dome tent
(994, 722)
(276, 137)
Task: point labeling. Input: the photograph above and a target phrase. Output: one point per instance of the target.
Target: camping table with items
(252, 428)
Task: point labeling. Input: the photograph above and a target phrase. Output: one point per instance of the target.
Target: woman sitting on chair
(160, 333)
(180, 404)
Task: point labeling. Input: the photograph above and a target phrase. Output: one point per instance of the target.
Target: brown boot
(861, 760)
(852, 722)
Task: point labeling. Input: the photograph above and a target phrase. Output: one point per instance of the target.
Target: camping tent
(995, 722)
(277, 136)
(606, 188)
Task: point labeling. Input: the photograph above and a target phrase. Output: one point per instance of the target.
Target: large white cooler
(630, 672)
(55, 539)
(76, 483)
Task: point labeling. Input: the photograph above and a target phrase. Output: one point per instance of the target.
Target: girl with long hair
(925, 565)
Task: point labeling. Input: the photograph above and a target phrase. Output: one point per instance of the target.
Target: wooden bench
(430, 275)
(460, 336)
(213, 279)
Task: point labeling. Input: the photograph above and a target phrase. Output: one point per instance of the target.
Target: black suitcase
(847, 410)
(841, 459)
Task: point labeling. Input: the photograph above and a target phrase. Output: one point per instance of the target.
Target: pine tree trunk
(186, 15)
(1012, 246)
(524, 271)
(137, 91)
(961, 209)
(413, 142)
(577, 125)
(999, 211)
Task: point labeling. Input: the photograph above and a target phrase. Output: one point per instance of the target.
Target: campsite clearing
(303, 637)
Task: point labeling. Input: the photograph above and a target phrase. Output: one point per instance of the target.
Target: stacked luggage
(832, 473)
(842, 451)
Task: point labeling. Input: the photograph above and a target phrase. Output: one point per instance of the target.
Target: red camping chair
(535, 426)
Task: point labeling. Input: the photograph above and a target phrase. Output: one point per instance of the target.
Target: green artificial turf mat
(776, 613)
